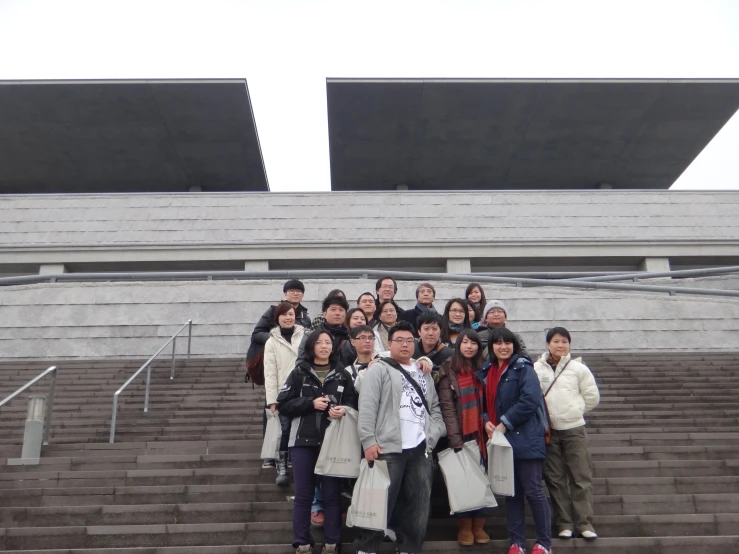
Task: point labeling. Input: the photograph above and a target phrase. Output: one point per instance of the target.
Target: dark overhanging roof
(128, 136)
(446, 134)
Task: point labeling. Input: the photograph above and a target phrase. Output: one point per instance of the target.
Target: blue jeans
(317, 497)
(527, 477)
(408, 501)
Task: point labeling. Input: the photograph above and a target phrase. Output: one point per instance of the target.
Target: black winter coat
(296, 401)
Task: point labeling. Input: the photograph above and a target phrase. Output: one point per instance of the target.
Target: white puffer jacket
(574, 394)
(279, 360)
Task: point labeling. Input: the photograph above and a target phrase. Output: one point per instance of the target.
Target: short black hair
(427, 318)
(336, 292)
(506, 335)
(309, 355)
(354, 333)
(334, 301)
(293, 284)
(378, 284)
(558, 331)
(476, 361)
(365, 294)
(401, 325)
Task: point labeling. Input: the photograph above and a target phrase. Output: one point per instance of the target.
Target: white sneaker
(566, 534)
(589, 535)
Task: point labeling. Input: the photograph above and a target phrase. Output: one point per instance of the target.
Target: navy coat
(520, 407)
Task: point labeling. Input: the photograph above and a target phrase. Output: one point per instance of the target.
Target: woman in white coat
(280, 355)
(569, 391)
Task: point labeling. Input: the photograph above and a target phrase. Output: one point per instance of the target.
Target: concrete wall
(353, 229)
(58, 321)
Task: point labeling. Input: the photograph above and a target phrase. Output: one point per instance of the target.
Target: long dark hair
(459, 361)
(445, 335)
(310, 344)
(470, 288)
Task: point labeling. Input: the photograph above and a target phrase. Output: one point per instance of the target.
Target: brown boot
(464, 534)
(478, 531)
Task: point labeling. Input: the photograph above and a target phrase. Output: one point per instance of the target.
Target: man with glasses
(293, 291)
(425, 296)
(400, 422)
(386, 289)
(363, 341)
(493, 317)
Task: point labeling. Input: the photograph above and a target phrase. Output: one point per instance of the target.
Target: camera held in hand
(332, 402)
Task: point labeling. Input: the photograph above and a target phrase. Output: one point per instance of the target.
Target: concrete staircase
(186, 477)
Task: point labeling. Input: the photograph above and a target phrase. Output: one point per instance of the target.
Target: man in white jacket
(569, 391)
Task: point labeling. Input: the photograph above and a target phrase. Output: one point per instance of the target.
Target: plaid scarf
(471, 398)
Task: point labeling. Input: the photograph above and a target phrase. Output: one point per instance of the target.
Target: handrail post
(148, 384)
(174, 347)
(49, 407)
(112, 420)
(189, 338)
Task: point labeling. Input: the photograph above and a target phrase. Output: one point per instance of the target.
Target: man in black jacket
(429, 345)
(386, 289)
(334, 314)
(425, 296)
(294, 291)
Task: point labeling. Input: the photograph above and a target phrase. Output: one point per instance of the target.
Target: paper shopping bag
(272, 435)
(341, 451)
(369, 499)
(500, 464)
(466, 484)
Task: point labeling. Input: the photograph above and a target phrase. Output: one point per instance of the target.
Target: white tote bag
(272, 435)
(500, 464)
(466, 484)
(341, 451)
(369, 499)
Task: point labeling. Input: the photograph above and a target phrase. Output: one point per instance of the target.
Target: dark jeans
(408, 500)
(527, 477)
(285, 424)
(304, 463)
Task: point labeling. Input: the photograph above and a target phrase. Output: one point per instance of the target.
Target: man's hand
(372, 453)
(337, 412)
(320, 403)
(425, 365)
(273, 407)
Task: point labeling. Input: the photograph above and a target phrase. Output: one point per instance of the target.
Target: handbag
(272, 435)
(341, 451)
(466, 483)
(369, 498)
(255, 370)
(500, 465)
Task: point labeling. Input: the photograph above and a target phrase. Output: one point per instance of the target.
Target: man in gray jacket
(400, 422)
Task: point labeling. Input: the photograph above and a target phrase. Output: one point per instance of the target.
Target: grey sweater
(379, 410)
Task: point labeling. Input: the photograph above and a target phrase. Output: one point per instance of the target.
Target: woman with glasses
(314, 391)
(456, 319)
(388, 318)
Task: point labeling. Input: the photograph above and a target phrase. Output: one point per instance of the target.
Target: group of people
(423, 381)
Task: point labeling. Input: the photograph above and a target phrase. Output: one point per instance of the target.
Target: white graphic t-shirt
(412, 412)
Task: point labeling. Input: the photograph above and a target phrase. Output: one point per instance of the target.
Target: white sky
(286, 49)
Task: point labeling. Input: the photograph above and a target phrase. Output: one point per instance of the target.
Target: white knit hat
(492, 305)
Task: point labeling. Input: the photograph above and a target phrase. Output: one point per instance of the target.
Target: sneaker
(515, 549)
(539, 549)
(304, 549)
(565, 534)
(316, 518)
(329, 549)
(589, 535)
(268, 463)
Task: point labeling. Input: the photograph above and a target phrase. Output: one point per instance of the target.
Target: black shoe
(283, 478)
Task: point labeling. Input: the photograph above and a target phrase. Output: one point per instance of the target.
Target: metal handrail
(49, 400)
(147, 367)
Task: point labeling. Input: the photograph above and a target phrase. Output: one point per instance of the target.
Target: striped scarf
(471, 397)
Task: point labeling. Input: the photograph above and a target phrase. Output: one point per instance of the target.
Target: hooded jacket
(379, 409)
(279, 360)
(520, 407)
(296, 397)
(574, 393)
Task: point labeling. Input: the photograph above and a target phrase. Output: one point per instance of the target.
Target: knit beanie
(494, 304)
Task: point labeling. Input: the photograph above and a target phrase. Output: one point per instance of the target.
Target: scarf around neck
(423, 309)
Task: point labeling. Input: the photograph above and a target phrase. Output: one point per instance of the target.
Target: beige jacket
(279, 360)
(573, 395)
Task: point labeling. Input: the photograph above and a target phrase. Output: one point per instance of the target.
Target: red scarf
(491, 388)
(470, 397)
